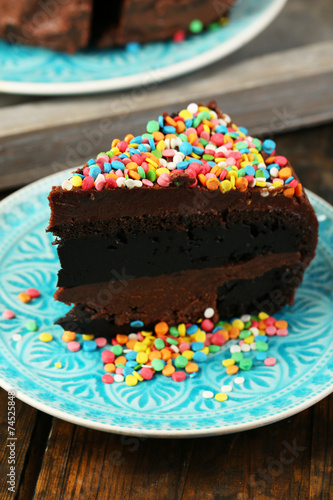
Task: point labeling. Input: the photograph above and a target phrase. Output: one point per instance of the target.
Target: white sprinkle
(127, 350)
(174, 348)
(274, 172)
(171, 165)
(262, 165)
(239, 380)
(167, 143)
(264, 193)
(245, 318)
(321, 217)
(121, 181)
(67, 185)
(226, 118)
(226, 388)
(235, 348)
(222, 149)
(118, 377)
(100, 178)
(209, 312)
(253, 346)
(130, 184)
(132, 336)
(17, 337)
(253, 182)
(211, 147)
(177, 141)
(137, 183)
(178, 157)
(254, 330)
(207, 394)
(213, 114)
(245, 347)
(192, 108)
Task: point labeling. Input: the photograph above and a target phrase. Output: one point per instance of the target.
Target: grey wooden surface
(280, 81)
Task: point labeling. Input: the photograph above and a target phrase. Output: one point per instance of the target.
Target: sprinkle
(227, 388)
(221, 396)
(270, 361)
(107, 378)
(73, 346)
(68, 336)
(8, 314)
(239, 380)
(31, 325)
(33, 292)
(207, 394)
(17, 337)
(58, 365)
(24, 297)
(46, 337)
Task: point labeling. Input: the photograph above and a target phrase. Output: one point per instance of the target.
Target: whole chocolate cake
(69, 25)
(192, 214)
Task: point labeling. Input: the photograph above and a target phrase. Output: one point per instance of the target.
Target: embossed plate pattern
(302, 376)
(33, 70)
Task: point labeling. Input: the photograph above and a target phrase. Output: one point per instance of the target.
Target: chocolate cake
(70, 25)
(191, 214)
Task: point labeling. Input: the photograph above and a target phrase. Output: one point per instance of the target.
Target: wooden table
(60, 461)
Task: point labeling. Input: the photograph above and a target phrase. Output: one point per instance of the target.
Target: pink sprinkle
(86, 171)
(107, 378)
(282, 332)
(140, 336)
(111, 182)
(33, 292)
(270, 330)
(147, 182)
(8, 314)
(145, 166)
(184, 346)
(270, 321)
(168, 153)
(223, 174)
(100, 185)
(108, 356)
(164, 180)
(146, 373)
(122, 146)
(119, 370)
(207, 325)
(241, 342)
(270, 361)
(217, 139)
(120, 173)
(281, 161)
(100, 341)
(73, 346)
(210, 176)
(88, 182)
(178, 376)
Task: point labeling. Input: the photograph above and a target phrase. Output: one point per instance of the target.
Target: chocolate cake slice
(192, 213)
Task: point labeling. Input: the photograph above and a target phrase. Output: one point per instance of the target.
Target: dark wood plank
(321, 473)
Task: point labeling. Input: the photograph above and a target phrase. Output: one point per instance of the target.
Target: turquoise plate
(33, 70)
(302, 376)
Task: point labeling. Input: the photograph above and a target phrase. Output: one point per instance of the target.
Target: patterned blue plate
(302, 376)
(33, 70)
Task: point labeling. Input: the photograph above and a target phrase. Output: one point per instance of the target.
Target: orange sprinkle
(233, 332)
(131, 343)
(122, 339)
(262, 325)
(68, 336)
(298, 190)
(212, 184)
(241, 184)
(161, 328)
(134, 175)
(121, 360)
(170, 136)
(170, 121)
(168, 370)
(207, 122)
(191, 367)
(128, 138)
(132, 165)
(289, 192)
(231, 370)
(24, 297)
(166, 354)
(175, 355)
(154, 355)
(114, 143)
(192, 138)
(281, 323)
(216, 170)
(112, 175)
(202, 179)
(225, 334)
(158, 136)
(180, 127)
(285, 173)
(110, 367)
(270, 160)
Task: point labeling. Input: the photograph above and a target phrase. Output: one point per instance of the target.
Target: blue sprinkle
(243, 129)
(168, 129)
(271, 165)
(221, 129)
(136, 324)
(94, 172)
(198, 151)
(117, 164)
(131, 355)
(192, 329)
(289, 180)
(217, 328)
(268, 146)
(107, 167)
(249, 170)
(134, 151)
(261, 356)
(211, 163)
(185, 148)
(199, 357)
(122, 156)
(91, 162)
(188, 123)
(132, 363)
(261, 337)
(193, 374)
(152, 144)
(265, 172)
(128, 370)
(196, 346)
(89, 345)
(244, 151)
(196, 160)
(136, 140)
(142, 148)
(133, 47)
(182, 165)
(161, 121)
(79, 175)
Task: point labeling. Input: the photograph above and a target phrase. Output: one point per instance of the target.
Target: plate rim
(167, 72)
(130, 431)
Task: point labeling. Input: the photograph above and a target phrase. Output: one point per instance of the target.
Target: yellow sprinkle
(142, 357)
(225, 186)
(58, 364)
(86, 336)
(138, 376)
(76, 181)
(238, 323)
(147, 341)
(254, 150)
(261, 184)
(203, 108)
(162, 170)
(140, 347)
(45, 337)
(186, 114)
(160, 146)
(205, 350)
(227, 326)
(206, 128)
(188, 354)
(218, 160)
(228, 362)
(261, 332)
(249, 339)
(131, 380)
(182, 329)
(146, 334)
(262, 315)
(221, 396)
(199, 336)
(231, 173)
(193, 155)
(260, 158)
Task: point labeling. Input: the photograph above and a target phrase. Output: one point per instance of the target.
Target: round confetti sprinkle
(209, 312)
(73, 346)
(239, 380)
(101, 341)
(24, 297)
(245, 364)
(89, 345)
(68, 336)
(33, 293)
(17, 337)
(226, 388)
(107, 378)
(221, 396)
(58, 365)
(196, 26)
(207, 394)
(46, 337)
(8, 314)
(31, 325)
(178, 376)
(118, 378)
(270, 361)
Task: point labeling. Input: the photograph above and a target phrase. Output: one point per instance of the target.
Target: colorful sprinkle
(46, 337)
(8, 314)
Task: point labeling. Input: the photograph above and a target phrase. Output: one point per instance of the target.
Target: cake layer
(269, 290)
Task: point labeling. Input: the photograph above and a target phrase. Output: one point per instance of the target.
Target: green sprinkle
(173, 330)
(262, 346)
(158, 364)
(214, 27)
(244, 334)
(151, 175)
(259, 173)
(257, 143)
(172, 341)
(245, 364)
(214, 348)
(237, 356)
(141, 172)
(196, 26)
(152, 126)
(242, 145)
(208, 157)
(157, 153)
(181, 361)
(117, 350)
(31, 325)
(159, 344)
